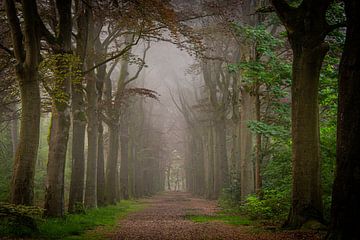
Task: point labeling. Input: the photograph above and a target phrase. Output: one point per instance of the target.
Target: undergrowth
(77, 226)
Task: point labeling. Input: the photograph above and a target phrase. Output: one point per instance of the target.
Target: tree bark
(76, 195)
(124, 168)
(92, 119)
(101, 168)
(27, 57)
(345, 209)
(210, 179)
(101, 75)
(247, 166)
(306, 191)
(258, 157)
(60, 122)
(111, 168)
(92, 134)
(307, 27)
(221, 161)
(59, 133)
(14, 130)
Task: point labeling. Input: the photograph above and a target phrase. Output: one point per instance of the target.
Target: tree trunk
(221, 161)
(76, 195)
(306, 192)
(59, 133)
(92, 119)
(345, 209)
(111, 168)
(14, 130)
(101, 168)
(92, 134)
(26, 155)
(210, 165)
(247, 174)
(60, 122)
(258, 158)
(27, 57)
(124, 168)
(307, 28)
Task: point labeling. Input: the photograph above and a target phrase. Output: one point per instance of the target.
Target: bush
(272, 205)
(18, 220)
(231, 195)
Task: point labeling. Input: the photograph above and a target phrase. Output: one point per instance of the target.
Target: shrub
(272, 205)
(18, 220)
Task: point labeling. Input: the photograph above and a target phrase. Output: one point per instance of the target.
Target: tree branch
(122, 52)
(141, 66)
(16, 34)
(285, 12)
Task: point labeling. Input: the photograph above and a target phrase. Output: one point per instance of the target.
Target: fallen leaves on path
(165, 219)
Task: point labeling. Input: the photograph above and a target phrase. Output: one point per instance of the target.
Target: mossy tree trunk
(60, 121)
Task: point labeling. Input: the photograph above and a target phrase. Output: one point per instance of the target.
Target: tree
(26, 45)
(345, 208)
(307, 28)
(60, 114)
(91, 113)
(76, 195)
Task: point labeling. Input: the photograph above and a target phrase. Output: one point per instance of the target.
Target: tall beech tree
(92, 114)
(60, 115)
(78, 114)
(26, 45)
(345, 208)
(307, 28)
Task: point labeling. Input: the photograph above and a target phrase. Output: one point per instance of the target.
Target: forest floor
(177, 215)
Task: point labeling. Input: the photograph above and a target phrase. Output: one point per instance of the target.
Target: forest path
(165, 219)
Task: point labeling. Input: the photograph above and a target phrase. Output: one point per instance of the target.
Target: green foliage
(6, 162)
(74, 226)
(79, 208)
(268, 130)
(58, 69)
(77, 224)
(336, 13)
(18, 220)
(231, 195)
(272, 205)
(267, 67)
(225, 218)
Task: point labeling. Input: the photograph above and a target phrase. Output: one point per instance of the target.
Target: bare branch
(141, 66)
(16, 34)
(122, 52)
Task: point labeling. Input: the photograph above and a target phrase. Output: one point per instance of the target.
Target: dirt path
(165, 219)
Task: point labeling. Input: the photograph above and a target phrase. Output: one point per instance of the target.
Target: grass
(92, 225)
(225, 218)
